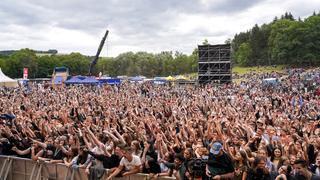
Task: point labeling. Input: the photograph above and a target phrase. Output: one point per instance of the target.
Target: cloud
(139, 25)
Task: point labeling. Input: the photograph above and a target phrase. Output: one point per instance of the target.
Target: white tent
(6, 81)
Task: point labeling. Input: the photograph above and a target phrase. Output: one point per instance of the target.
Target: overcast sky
(134, 25)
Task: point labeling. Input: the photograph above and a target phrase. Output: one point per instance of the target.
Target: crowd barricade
(14, 168)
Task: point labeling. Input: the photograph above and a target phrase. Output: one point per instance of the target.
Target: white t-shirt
(130, 165)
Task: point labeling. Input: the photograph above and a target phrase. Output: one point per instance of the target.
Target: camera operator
(196, 169)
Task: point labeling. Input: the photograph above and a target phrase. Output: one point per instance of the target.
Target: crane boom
(95, 59)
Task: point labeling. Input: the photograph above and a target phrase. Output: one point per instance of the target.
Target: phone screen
(177, 130)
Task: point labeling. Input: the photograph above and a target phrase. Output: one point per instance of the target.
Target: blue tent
(114, 81)
(82, 80)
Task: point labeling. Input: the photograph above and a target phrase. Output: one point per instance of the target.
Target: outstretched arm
(23, 152)
(43, 145)
(116, 172)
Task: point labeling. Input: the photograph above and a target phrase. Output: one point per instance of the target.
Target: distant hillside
(37, 52)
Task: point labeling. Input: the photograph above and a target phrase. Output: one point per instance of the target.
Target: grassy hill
(245, 70)
(257, 69)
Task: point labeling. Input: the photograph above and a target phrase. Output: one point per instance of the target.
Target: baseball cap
(215, 148)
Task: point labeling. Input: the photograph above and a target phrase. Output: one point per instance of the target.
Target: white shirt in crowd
(130, 165)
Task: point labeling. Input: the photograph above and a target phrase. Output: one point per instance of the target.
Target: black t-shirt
(220, 165)
(50, 147)
(57, 154)
(5, 149)
(108, 162)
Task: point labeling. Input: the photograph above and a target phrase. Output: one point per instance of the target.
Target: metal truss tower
(214, 64)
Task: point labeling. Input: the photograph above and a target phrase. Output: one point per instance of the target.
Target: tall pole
(95, 59)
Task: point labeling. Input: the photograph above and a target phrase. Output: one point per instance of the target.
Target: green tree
(242, 37)
(24, 58)
(205, 42)
(46, 65)
(311, 41)
(106, 66)
(2, 63)
(165, 59)
(279, 42)
(243, 54)
(77, 63)
(228, 41)
(258, 40)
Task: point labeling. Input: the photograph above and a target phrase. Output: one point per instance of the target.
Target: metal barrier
(14, 168)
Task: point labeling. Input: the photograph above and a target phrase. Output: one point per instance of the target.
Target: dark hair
(302, 162)
(177, 149)
(170, 157)
(289, 169)
(82, 158)
(125, 148)
(180, 157)
(190, 150)
(245, 157)
(103, 138)
(273, 156)
(257, 160)
(74, 150)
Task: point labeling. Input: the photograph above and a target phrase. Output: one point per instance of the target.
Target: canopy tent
(170, 78)
(137, 78)
(111, 81)
(160, 80)
(5, 81)
(180, 77)
(82, 80)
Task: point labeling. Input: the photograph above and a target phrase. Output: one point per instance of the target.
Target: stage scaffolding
(214, 64)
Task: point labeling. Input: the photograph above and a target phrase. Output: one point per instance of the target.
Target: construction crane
(95, 58)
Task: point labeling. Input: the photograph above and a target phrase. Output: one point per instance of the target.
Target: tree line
(129, 63)
(284, 41)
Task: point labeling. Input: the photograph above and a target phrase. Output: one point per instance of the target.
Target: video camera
(197, 168)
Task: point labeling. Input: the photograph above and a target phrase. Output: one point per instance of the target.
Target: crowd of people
(234, 131)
